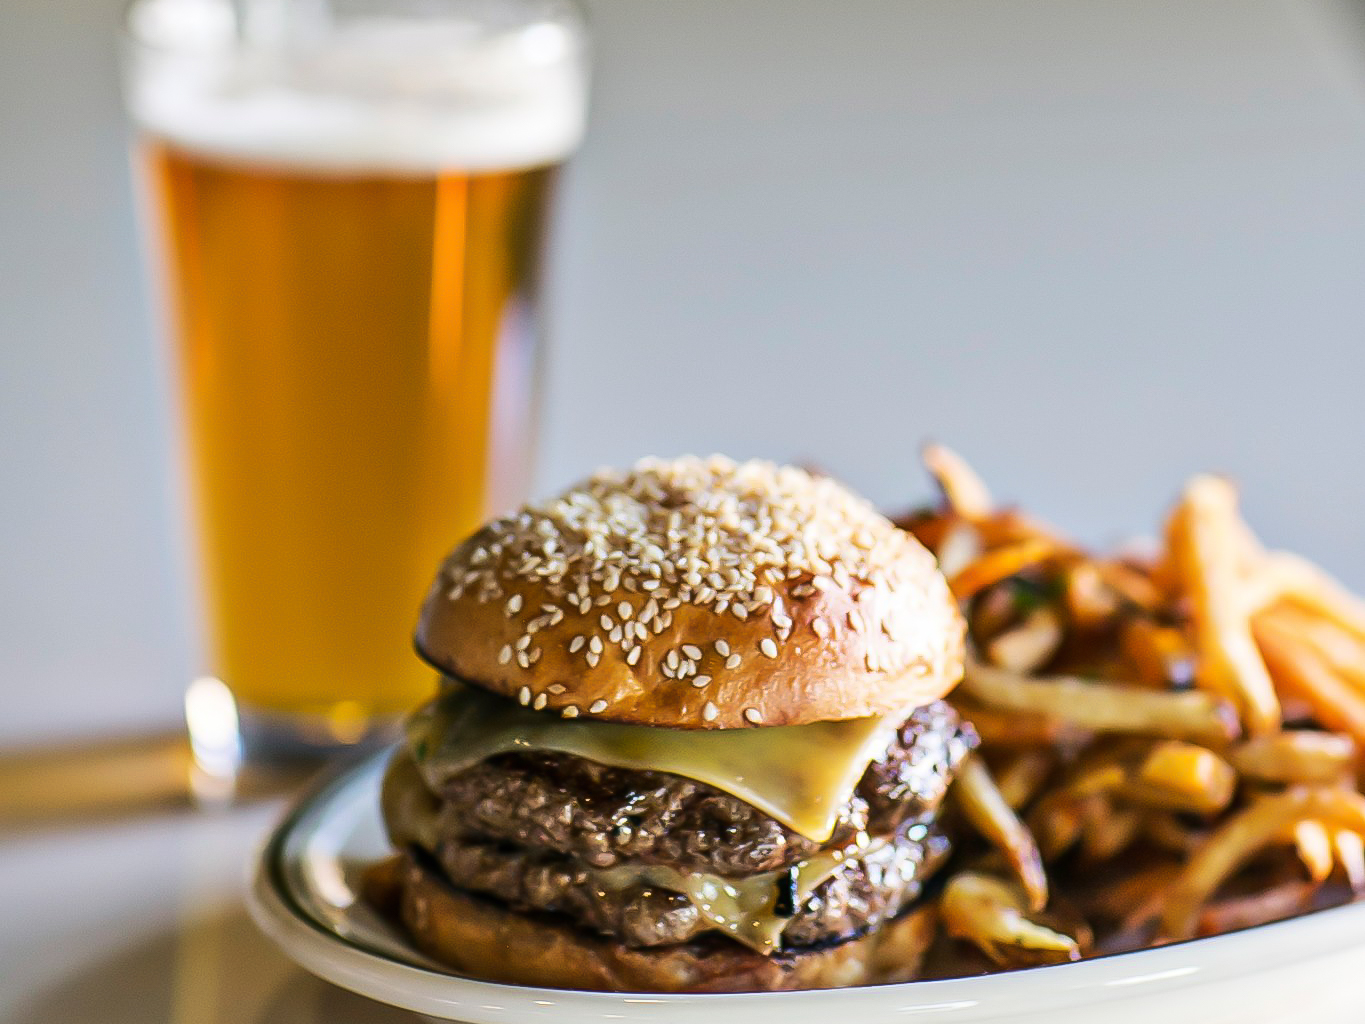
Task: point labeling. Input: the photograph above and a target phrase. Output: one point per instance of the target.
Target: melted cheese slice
(802, 775)
(743, 908)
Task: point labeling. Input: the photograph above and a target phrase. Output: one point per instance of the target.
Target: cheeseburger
(688, 738)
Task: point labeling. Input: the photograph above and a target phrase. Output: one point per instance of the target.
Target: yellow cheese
(743, 908)
(802, 775)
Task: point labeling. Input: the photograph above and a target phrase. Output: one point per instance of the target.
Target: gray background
(1095, 245)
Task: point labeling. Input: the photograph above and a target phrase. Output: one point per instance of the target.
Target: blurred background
(1094, 246)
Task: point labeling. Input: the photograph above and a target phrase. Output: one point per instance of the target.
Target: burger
(688, 737)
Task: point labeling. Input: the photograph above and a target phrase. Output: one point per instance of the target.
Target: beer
(353, 302)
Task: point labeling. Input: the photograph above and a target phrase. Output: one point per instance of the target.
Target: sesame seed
(555, 688)
(820, 627)
(634, 656)
(767, 646)
(733, 661)
(523, 659)
(540, 702)
(595, 645)
(722, 648)
(701, 681)
(593, 658)
(692, 651)
(752, 716)
(505, 655)
(570, 712)
(597, 707)
(709, 711)
(576, 644)
(615, 635)
(855, 622)
(671, 658)
(737, 538)
(524, 695)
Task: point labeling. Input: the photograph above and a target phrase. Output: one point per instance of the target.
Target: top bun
(697, 594)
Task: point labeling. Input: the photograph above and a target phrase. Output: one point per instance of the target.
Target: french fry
(1170, 775)
(1135, 899)
(1274, 904)
(999, 564)
(1349, 848)
(961, 547)
(1298, 580)
(1181, 776)
(963, 490)
(1090, 601)
(1243, 834)
(1169, 833)
(1160, 655)
(1338, 646)
(1299, 756)
(990, 914)
(1057, 822)
(1302, 672)
(1002, 729)
(1206, 539)
(989, 813)
(1010, 526)
(1107, 830)
(1133, 586)
(1196, 716)
(1024, 777)
(1314, 847)
(1029, 645)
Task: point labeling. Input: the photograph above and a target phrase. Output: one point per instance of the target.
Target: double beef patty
(528, 829)
(606, 816)
(867, 888)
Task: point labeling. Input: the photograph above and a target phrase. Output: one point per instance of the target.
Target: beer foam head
(276, 82)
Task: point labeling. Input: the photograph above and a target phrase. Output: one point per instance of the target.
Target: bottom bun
(486, 940)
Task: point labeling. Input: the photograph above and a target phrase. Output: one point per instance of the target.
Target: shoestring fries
(990, 913)
(1102, 706)
(1176, 733)
(990, 814)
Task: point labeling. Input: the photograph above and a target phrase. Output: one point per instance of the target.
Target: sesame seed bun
(487, 940)
(697, 594)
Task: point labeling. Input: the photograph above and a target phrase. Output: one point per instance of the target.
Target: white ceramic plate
(304, 896)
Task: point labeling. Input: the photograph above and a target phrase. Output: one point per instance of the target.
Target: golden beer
(354, 316)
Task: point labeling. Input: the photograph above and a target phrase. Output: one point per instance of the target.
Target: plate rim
(341, 960)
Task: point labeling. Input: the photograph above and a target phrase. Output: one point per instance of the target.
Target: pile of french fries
(1169, 740)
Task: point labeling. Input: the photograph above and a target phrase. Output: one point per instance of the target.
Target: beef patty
(866, 889)
(602, 816)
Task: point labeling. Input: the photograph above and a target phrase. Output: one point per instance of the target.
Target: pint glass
(348, 202)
